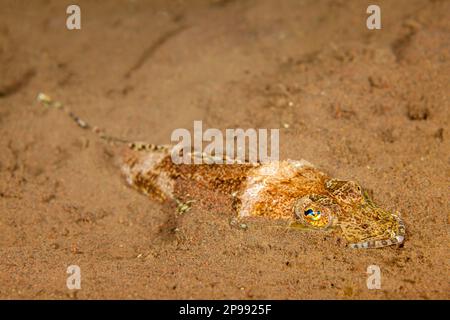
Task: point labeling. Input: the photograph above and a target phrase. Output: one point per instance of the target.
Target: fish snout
(397, 239)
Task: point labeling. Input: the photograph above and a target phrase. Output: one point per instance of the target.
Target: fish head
(346, 206)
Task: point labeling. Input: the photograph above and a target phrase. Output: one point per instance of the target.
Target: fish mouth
(373, 244)
(397, 239)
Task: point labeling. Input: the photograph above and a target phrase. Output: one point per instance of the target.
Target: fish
(294, 191)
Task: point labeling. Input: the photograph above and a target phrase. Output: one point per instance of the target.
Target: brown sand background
(366, 105)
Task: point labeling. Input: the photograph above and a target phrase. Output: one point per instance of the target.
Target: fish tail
(49, 102)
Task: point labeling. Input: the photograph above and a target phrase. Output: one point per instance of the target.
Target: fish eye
(314, 215)
(314, 211)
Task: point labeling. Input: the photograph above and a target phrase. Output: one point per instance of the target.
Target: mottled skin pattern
(294, 191)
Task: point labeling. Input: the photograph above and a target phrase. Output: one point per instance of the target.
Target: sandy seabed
(367, 105)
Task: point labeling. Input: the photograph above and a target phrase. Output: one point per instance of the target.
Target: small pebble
(243, 226)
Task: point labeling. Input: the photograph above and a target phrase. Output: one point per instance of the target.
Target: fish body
(290, 190)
